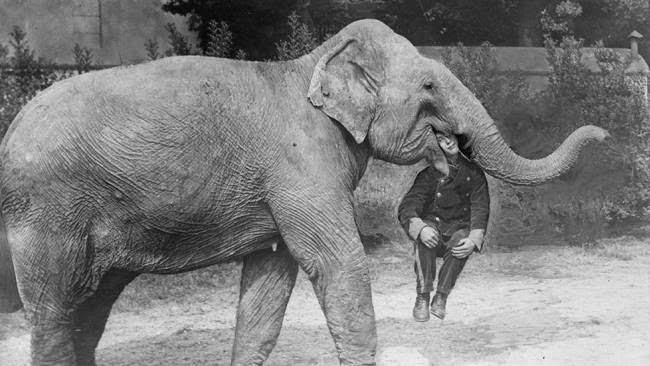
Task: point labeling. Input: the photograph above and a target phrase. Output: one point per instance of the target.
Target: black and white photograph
(324, 182)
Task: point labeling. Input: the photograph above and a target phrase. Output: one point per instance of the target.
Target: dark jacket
(460, 201)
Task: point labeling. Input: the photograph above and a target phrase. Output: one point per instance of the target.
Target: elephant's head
(380, 89)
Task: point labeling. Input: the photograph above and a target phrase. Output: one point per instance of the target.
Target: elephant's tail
(9, 297)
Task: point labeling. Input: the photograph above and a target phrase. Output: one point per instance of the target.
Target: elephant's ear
(345, 85)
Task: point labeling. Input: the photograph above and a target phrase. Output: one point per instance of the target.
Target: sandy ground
(542, 305)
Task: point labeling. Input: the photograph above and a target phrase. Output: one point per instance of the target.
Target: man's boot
(438, 305)
(421, 308)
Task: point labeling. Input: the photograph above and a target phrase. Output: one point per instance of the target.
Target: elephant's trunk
(495, 156)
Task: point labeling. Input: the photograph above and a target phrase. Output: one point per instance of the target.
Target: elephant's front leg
(323, 237)
(267, 280)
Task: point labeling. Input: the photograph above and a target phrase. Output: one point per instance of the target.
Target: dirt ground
(540, 305)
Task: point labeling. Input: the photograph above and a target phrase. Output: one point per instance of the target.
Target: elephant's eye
(428, 86)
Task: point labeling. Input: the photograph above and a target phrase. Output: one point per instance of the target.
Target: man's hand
(429, 236)
(464, 248)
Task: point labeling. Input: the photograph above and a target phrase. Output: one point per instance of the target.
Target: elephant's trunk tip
(597, 133)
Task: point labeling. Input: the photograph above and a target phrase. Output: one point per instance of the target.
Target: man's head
(448, 144)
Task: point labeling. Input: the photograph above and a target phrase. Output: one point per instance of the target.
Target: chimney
(634, 42)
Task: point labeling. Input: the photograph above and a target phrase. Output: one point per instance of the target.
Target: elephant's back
(121, 104)
(142, 133)
(174, 90)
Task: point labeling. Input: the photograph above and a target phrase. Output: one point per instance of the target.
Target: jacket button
(437, 219)
(466, 194)
(464, 208)
(438, 194)
(468, 179)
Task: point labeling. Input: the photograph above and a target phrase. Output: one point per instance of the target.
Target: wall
(54, 26)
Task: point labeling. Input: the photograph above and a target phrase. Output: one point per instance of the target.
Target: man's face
(448, 144)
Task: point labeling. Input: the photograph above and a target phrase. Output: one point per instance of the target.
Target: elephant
(184, 162)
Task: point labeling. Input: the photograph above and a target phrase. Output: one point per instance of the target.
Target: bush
(219, 42)
(179, 45)
(476, 69)
(21, 77)
(151, 46)
(610, 100)
(299, 42)
(575, 97)
(83, 58)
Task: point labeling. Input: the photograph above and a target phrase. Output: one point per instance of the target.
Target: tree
(23, 78)
(299, 42)
(219, 42)
(445, 22)
(612, 21)
(609, 21)
(179, 45)
(255, 24)
(152, 48)
(83, 58)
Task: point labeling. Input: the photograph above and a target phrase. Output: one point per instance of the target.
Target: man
(446, 217)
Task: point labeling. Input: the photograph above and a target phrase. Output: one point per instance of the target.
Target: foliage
(569, 77)
(477, 70)
(452, 21)
(557, 19)
(329, 18)
(179, 45)
(152, 48)
(219, 42)
(612, 21)
(612, 100)
(83, 58)
(255, 25)
(241, 55)
(300, 40)
(4, 52)
(517, 22)
(575, 97)
(22, 77)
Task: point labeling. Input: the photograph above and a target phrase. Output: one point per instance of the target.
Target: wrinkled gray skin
(186, 162)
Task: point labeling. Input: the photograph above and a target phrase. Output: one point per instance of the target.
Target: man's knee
(457, 236)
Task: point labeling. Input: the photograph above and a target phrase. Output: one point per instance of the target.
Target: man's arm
(414, 202)
(480, 211)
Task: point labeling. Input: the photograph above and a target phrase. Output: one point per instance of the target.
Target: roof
(532, 60)
(635, 34)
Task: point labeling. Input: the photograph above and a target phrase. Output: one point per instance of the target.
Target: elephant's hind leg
(267, 280)
(53, 271)
(90, 317)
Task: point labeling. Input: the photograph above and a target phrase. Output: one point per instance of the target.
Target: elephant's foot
(52, 344)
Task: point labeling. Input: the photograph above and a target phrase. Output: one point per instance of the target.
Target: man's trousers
(425, 270)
